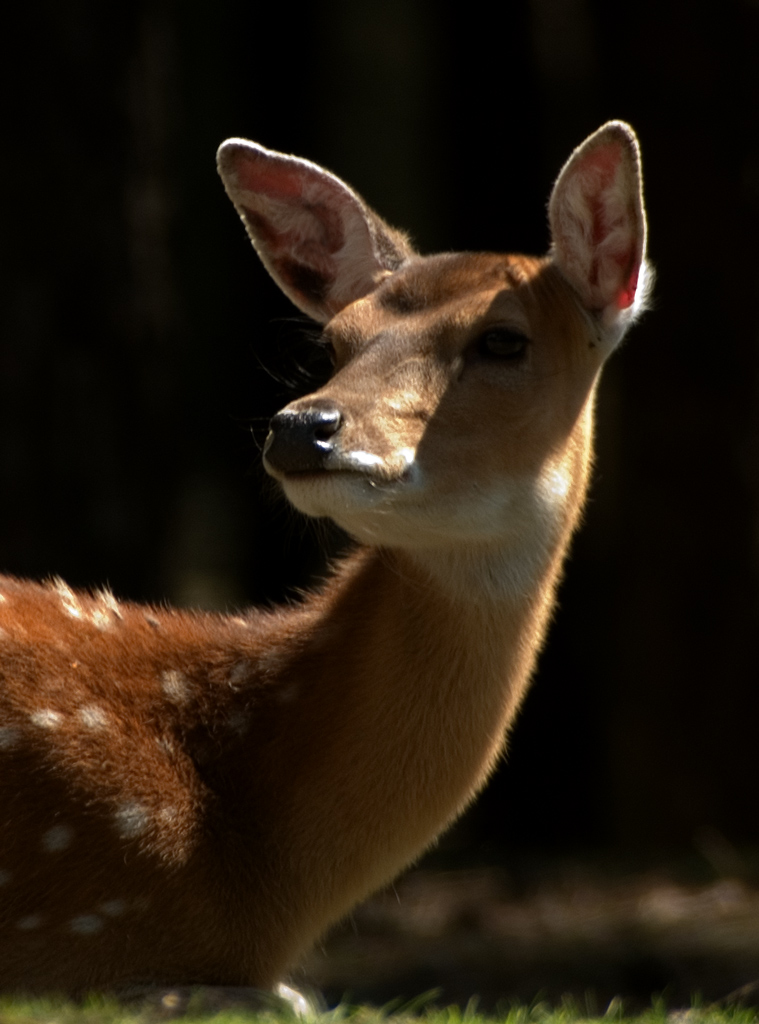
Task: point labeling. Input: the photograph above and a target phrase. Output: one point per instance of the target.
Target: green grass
(102, 1011)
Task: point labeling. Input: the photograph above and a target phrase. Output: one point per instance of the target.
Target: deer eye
(329, 351)
(502, 343)
(323, 353)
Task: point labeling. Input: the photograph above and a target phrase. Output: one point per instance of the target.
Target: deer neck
(406, 692)
(414, 649)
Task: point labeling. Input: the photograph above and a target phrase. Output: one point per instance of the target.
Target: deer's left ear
(598, 225)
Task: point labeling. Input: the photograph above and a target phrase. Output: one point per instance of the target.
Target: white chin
(371, 511)
(332, 493)
(405, 514)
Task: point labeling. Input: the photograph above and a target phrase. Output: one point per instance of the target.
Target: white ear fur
(598, 227)
(320, 242)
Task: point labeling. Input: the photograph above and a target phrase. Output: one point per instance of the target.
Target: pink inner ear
(272, 178)
(601, 167)
(604, 160)
(626, 296)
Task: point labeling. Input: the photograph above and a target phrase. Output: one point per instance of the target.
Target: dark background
(140, 340)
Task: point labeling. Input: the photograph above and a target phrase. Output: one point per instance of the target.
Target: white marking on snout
(361, 458)
(396, 464)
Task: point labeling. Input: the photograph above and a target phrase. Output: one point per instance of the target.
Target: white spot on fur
(240, 674)
(3, 598)
(30, 922)
(59, 837)
(9, 737)
(168, 815)
(175, 685)
(46, 718)
(93, 716)
(131, 820)
(5, 876)
(110, 602)
(113, 908)
(100, 619)
(86, 924)
(69, 600)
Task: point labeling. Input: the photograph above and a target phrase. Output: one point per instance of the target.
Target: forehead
(430, 284)
(445, 297)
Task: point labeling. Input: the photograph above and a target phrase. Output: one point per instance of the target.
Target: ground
(507, 933)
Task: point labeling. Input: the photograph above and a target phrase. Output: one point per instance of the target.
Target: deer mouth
(376, 471)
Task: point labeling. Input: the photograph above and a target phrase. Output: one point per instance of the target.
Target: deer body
(194, 798)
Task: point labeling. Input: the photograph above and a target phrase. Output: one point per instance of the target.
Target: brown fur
(194, 798)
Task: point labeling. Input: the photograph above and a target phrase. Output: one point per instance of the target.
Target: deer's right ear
(598, 226)
(320, 242)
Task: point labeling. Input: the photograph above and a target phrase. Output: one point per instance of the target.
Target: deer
(190, 797)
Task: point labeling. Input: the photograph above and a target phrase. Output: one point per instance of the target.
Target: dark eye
(502, 343)
(324, 354)
(329, 351)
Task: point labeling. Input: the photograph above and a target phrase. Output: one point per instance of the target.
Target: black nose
(300, 440)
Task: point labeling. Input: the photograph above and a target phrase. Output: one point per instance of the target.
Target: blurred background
(143, 349)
